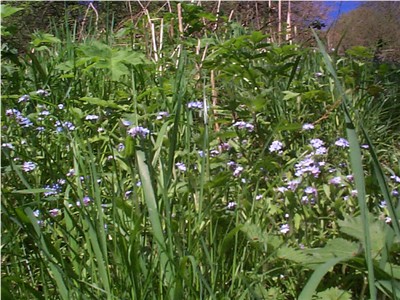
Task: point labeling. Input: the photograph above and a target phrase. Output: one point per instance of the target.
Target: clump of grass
(229, 174)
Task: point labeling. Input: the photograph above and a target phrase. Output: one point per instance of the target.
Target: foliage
(374, 25)
(218, 166)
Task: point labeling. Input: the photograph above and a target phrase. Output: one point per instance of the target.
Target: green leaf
(31, 191)
(7, 11)
(334, 294)
(102, 103)
(290, 95)
(312, 284)
(353, 226)
(116, 61)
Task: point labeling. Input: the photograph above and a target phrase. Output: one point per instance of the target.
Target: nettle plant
(125, 178)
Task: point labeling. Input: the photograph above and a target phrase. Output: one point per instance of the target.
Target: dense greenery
(153, 163)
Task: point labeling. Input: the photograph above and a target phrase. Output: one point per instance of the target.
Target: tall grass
(103, 197)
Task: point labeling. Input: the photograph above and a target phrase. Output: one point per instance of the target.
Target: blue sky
(340, 7)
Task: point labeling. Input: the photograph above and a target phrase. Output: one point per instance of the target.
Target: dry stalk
(214, 98)
(180, 23)
(90, 6)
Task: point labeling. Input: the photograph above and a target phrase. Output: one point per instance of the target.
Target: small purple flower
(60, 106)
(138, 131)
(36, 213)
(276, 146)
(71, 172)
(395, 178)
(395, 193)
(42, 93)
(342, 143)
(259, 197)
(231, 205)
(44, 113)
(12, 112)
(383, 204)
(52, 190)
(238, 170)
(244, 125)
(127, 194)
(7, 145)
(126, 123)
(86, 201)
(138, 183)
(224, 147)
(201, 153)
(310, 190)
(354, 193)
(54, 212)
(162, 115)
(350, 177)
(316, 143)
(214, 153)
(195, 105)
(293, 184)
(120, 147)
(321, 151)
(308, 126)
(284, 228)
(60, 126)
(281, 189)
(28, 166)
(23, 98)
(335, 180)
(181, 166)
(91, 117)
(365, 146)
(231, 164)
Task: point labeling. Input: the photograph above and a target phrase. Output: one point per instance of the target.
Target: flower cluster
(195, 105)
(236, 168)
(21, 120)
(60, 126)
(138, 131)
(276, 146)
(162, 115)
(244, 125)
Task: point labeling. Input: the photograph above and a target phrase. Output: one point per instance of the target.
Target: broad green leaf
(334, 294)
(353, 226)
(7, 10)
(290, 95)
(312, 284)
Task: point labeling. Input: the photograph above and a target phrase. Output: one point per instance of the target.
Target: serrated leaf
(353, 227)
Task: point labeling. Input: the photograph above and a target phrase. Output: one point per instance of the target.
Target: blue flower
(162, 115)
(316, 143)
(276, 146)
(195, 105)
(244, 125)
(28, 166)
(181, 166)
(308, 126)
(138, 131)
(342, 143)
(23, 98)
(91, 117)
